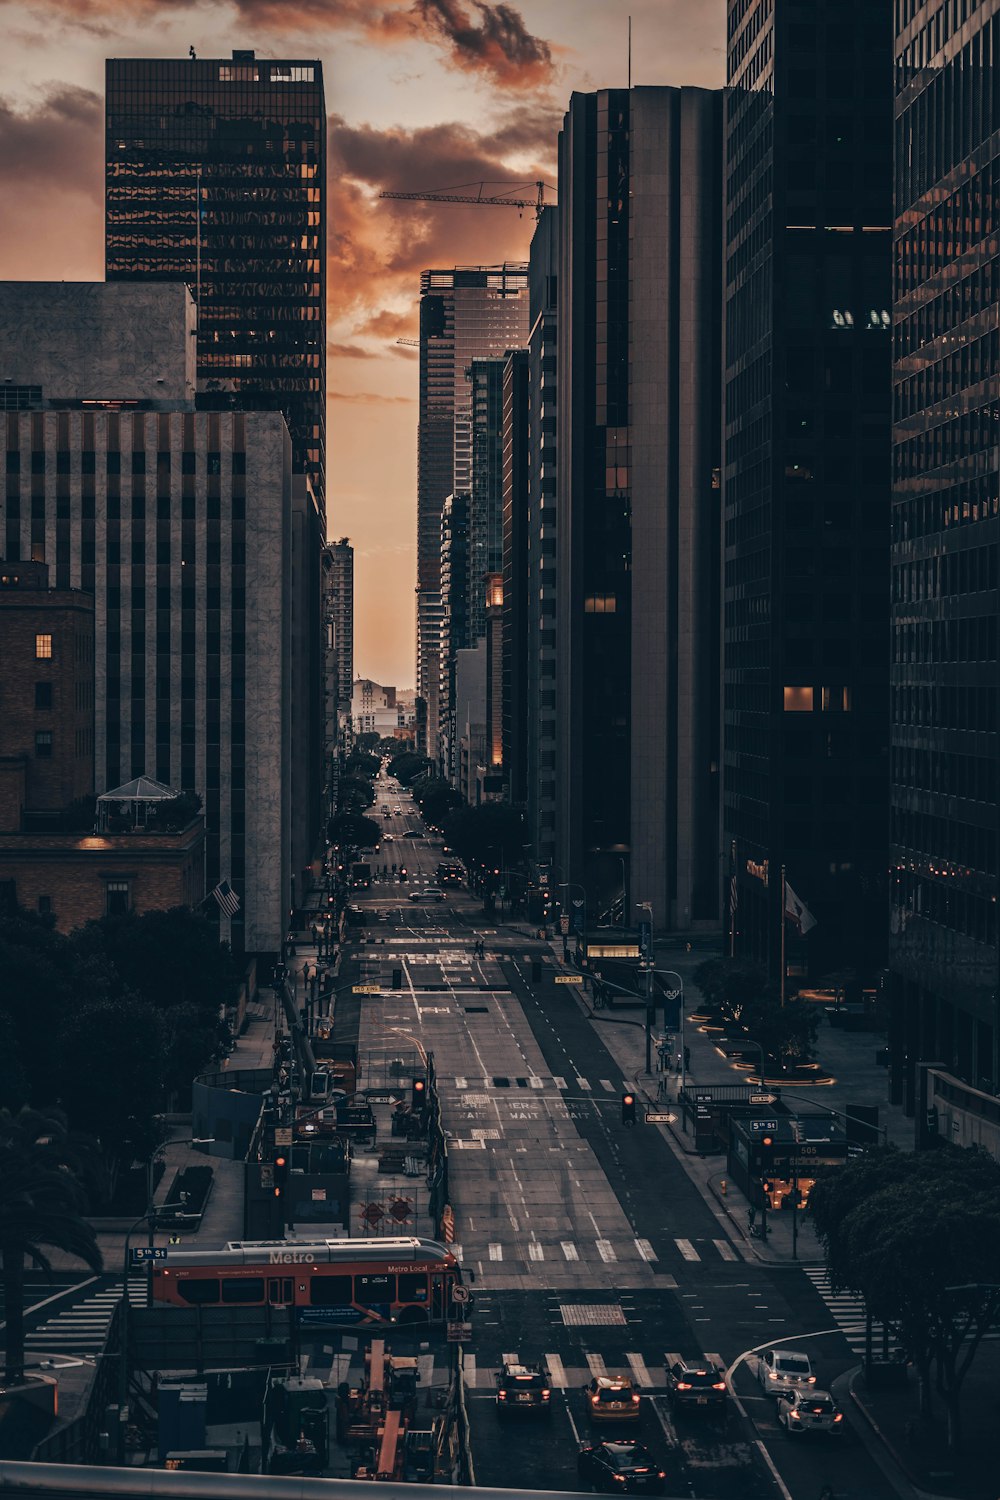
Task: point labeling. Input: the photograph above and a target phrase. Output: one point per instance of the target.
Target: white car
(809, 1411)
(429, 893)
(783, 1370)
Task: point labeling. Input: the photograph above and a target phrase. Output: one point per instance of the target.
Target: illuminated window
(798, 700)
(600, 604)
(116, 898)
(835, 700)
(43, 648)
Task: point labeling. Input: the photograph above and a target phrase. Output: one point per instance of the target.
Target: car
(431, 893)
(781, 1370)
(411, 833)
(620, 1468)
(388, 838)
(802, 1411)
(694, 1385)
(525, 1388)
(356, 916)
(610, 1398)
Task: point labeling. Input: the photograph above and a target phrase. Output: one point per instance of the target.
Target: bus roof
(318, 1252)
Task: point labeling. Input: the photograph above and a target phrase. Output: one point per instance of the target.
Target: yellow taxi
(610, 1398)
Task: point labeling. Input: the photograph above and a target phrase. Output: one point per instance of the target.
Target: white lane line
(557, 1374)
(597, 1366)
(606, 1251)
(645, 1249)
(725, 1249)
(639, 1371)
(687, 1249)
(535, 1250)
(569, 1250)
(496, 1251)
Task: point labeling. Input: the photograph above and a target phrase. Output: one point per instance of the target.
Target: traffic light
(628, 1109)
(418, 1093)
(280, 1173)
(766, 1161)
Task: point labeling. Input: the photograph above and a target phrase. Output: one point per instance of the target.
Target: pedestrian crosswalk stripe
(535, 1082)
(535, 1250)
(725, 1249)
(606, 1251)
(469, 1371)
(510, 1359)
(687, 1249)
(496, 1251)
(557, 1374)
(607, 1085)
(640, 1374)
(569, 1250)
(645, 1249)
(582, 1083)
(596, 1365)
(560, 1083)
(848, 1312)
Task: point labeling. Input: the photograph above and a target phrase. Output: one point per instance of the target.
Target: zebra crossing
(562, 1085)
(609, 1251)
(848, 1311)
(82, 1327)
(481, 1378)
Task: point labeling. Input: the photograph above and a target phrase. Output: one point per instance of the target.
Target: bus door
(440, 1295)
(279, 1291)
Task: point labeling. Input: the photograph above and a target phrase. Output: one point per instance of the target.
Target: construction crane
(479, 198)
(409, 343)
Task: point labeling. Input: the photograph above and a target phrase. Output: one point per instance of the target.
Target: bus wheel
(412, 1315)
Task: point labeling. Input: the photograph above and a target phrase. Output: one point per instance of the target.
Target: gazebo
(141, 794)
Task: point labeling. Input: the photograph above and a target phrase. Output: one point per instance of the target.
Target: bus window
(279, 1291)
(198, 1289)
(413, 1287)
(242, 1288)
(373, 1291)
(331, 1291)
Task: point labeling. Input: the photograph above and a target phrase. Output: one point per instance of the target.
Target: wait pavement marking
(606, 1251)
(535, 1250)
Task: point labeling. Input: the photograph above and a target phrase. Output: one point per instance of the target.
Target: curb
(889, 1446)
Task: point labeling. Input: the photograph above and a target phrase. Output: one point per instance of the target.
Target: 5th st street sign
(148, 1252)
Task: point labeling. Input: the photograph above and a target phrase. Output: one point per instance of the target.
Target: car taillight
(838, 1416)
(635, 1400)
(811, 1380)
(620, 1478)
(683, 1385)
(661, 1474)
(720, 1385)
(794, 1416)
(773, 1375)
(545, 1395)
(501, 1395)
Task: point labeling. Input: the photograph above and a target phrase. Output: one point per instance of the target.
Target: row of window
(958, 505)
(977, 292)
(970, 776)
(944, 903)
(957, 225)
(968, 570)
(964, 640)
(977, 360)
(191, 462)
(945, 707)
(324, 1291)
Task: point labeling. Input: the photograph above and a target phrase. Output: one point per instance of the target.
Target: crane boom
(479, 199)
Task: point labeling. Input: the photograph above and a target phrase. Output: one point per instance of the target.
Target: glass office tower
(944, 956)
(216, 176)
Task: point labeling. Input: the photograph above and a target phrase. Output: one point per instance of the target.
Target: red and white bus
(329, 1282)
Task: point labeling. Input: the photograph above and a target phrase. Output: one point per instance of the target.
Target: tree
(360, 763)
(435, 798)
(352, 831)
(408, 766)
(916, 1235)
(43, 1168)
(354, 793)
(492, 835)
(167, 957)
(175, 813)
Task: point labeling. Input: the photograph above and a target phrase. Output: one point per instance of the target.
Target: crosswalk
(82, 1327)
(631, 1364)
(561, 1085)
(611, 1252)
(848, 1312)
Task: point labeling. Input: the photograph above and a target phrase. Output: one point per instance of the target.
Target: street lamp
(648, 963)
(675, 978)
(573, 885)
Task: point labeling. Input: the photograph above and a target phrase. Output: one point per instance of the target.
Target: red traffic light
(418, 1085)
(767, 1140)
(627, 1099)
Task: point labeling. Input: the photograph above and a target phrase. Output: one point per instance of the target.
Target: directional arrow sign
(658, 1119)
(374, 1098)
(366, 989)
(569, 979)
(761, 1099)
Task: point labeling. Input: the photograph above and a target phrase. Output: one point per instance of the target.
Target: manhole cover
(591, 1314)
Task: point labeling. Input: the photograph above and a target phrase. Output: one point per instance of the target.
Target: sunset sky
(420, 94)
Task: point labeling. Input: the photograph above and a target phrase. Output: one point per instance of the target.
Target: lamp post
(675, 978)
(648, 964)
(748, 1041)
(621, 861)
(573, 885)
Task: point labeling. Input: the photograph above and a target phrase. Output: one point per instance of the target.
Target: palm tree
(43, 1171)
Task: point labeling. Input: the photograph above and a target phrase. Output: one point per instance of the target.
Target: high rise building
(945, 775)
(636, 765)
(179, 523)
(516, 504)
(808, 204)
(485, 378)
(465, 313)
(455, 634)
(543, 278)
(339, 605)
(216, 176)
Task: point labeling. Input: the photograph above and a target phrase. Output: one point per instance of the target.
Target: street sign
(569, 979)
(564, 924)
(148, 1252)
(283, 1136)
(366, 989)
(762, 1127)
(761, 1099)
(461, 1295)
(459, 1333)
(375, 1098)
(655, 1118)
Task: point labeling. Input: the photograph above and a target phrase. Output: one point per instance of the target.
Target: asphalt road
(592, 1248)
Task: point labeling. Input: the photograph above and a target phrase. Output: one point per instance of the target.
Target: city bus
(363, 1281)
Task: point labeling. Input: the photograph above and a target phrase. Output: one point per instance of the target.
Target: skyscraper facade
(516, 502)
(454, 621)
(808, 204)
(636, 766)
(216, 176)
(945, 763)
(339, 593)
(467, 312)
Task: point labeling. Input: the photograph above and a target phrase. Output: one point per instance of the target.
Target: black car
(695, 1385)
(620, 1468)
(524, 1388)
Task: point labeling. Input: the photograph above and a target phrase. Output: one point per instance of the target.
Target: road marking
(687, 1249)
(535, 1082)
(715, 1359)
(510, 1359)
(560, 1083)
(569, 1250)
(725, 1249)
(535, 1250)
(469, 1372)
(496, 1251)
(606, 1251)
(607, 1085)
(582, 1083)
(461, 1083)
(557, 1375)
(645, 1249)
(641, 1374)
(597, 1366)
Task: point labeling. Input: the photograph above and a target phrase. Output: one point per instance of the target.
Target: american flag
(734, 896)
(227, 898)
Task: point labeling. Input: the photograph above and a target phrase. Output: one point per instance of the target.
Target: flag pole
(783, 924)
(732, 903)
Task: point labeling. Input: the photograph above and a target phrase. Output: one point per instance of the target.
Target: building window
(798, 700)
(43, 744)
(43, 648)
(44, 906)
(836, 700)
(43, 695)
(600, 604)
(116, 900)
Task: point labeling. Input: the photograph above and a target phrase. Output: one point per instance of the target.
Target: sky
(421, 95)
